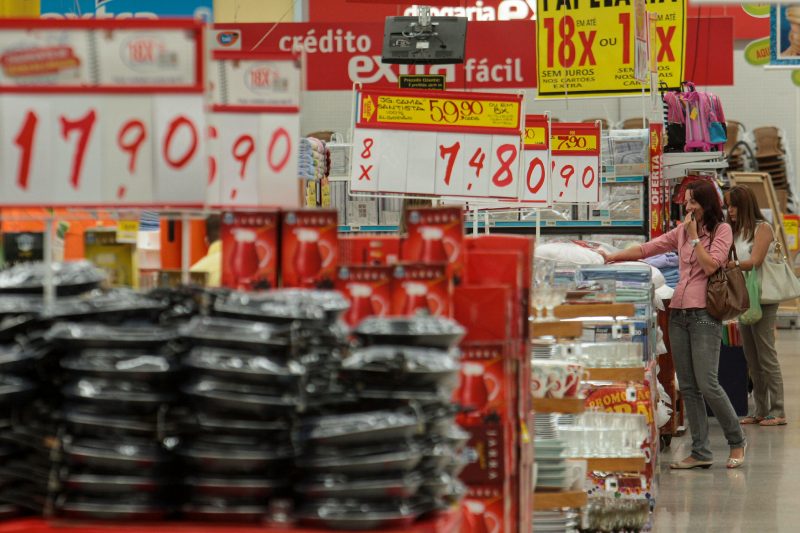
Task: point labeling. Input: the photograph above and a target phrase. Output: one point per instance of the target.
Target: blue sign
(202, 9)
(784, 22)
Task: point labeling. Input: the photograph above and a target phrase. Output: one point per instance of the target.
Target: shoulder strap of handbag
(732, 251)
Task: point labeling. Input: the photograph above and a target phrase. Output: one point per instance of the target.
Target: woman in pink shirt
(703, 242)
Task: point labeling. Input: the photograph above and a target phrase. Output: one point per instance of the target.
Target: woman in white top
(752, 236)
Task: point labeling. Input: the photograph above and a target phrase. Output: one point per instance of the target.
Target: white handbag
(778, 281)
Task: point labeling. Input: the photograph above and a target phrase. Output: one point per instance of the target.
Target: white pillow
(568, 252)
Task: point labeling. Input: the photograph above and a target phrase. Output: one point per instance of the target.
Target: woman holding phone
(703, 242)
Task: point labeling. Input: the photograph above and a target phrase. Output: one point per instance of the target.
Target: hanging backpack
(676, 129)
(704, 119)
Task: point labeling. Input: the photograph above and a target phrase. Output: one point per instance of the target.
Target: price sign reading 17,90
(587, 47)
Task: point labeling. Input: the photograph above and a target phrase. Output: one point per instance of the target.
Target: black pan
(228, 459)
(432, 332)
(206, 423)
(119, 512)
(93, 335)
(124, 456)
(113, 485)
(375, 487)
(15, 390)
(244, 367)
(129, 365)
(232, 399)
(236, 488)
(355, 428)
(119, 395)
(93, 421)
(402, 364)
(358, 515)
(224, 513)
(231, 333)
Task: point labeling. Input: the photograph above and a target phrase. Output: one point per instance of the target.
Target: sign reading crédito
(587, 47)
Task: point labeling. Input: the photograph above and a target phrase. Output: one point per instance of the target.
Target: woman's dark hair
(747, 212)
(705, 194)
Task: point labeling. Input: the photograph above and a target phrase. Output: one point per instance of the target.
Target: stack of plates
(555, 521)
(552, 473)
(544, 348)
(545, 426)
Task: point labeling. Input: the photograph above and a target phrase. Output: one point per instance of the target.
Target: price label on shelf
(589, 48)
(420, 143)
(536, 177)
(575, 162)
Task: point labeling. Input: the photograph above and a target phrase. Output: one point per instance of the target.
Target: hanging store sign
(102, 113)
(536, 142)
(784, 33)
(589, 49)
(437, 144)
(254, 128)
(575, 162)
(659, 206)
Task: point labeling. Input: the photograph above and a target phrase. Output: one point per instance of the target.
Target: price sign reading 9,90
(575, 163)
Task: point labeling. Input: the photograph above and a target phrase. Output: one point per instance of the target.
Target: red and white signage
(254, 128)
(575, 162)
(659, 203)
(536, 182)
(138, 139)
(498, 54)
(437, 144)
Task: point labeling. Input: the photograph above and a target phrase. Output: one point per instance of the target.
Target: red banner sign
(659, 207)
(499, 54)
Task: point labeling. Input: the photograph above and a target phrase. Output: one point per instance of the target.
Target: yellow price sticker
(535, 136)
(574, 143)
(128, 231)
(447, 112)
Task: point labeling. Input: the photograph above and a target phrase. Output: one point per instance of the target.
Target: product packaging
(309, 248)
(250, 250)
(369, 249)
(436, 235)
(23, 247)
(369, 290)
(118, 260)
(421, 288)
(485, 312)
(488, 509)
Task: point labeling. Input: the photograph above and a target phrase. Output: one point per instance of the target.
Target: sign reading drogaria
(474, 10)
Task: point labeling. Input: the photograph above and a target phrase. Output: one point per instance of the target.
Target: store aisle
(760, 497)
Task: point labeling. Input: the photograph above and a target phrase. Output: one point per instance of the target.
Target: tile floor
(763, 496)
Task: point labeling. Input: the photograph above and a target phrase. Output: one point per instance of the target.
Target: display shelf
(557, 329)
(572, 499)
(615, 464)
(449, 522)
(635, 373)
(622, 179)
(377, 228)
(676, 164)
(595, 310)
(558, 405)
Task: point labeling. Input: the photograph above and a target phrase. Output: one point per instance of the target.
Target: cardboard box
(485, 312)
(369, 250)
(492, 445)
(369, 290)
(436, 235)
(488, 509)
(309, 248)
(119, 260)
(421, 287)
(505, 243)
(250, 250)
(23, 247)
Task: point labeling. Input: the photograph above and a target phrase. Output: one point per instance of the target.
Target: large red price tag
(575, 162)
(442, 144)
(84, 150)
(536, 177)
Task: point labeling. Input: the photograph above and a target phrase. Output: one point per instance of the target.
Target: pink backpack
(704, 119)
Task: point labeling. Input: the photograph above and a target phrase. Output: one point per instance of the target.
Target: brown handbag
(726, 294)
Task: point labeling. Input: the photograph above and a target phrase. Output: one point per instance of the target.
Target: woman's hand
(691, 225)
(603, 254)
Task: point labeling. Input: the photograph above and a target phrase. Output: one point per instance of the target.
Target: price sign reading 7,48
(587, 47)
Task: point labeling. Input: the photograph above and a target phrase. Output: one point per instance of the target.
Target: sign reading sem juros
(587, 47)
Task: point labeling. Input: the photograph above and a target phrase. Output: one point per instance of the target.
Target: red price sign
(85, 150)
(419, 158)
(575, 163)
(536, 182)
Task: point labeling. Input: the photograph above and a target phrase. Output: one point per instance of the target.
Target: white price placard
(248, 79)
(575, 162)
(536, 179)
(438, 144)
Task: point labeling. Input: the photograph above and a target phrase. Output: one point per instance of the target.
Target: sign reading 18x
(586, 47)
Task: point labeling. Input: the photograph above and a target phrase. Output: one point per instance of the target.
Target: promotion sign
(575, 162)
(126, 9)
(498, 54)
(784, 32)
(536, 143)
(589, 48)
(254, 128)
(102, 113)
(437, 144)
(659, 207)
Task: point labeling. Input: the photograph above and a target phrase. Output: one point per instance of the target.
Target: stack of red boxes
(492, 304)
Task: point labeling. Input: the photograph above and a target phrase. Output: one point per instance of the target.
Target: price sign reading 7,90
(575, 162)
(587, 47)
